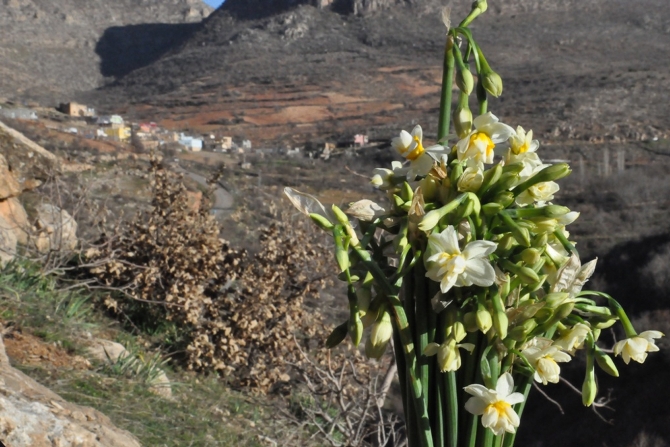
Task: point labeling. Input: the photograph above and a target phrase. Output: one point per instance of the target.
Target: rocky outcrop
(34, 416)
(55, 229)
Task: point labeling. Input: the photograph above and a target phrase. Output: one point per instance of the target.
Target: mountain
(305, 69)
(50, 49)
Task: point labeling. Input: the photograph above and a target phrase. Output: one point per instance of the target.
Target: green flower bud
(521, 234)
(355, 329)
(337, 336)
(555, 210)
(492, 82)
(464, 80)
(507, 181)
(463, 120)
(589, 388)
(457, 331)
(548, 174)
(429, 185)
(483, 318)
(456, 172)
(406, 192)
(540, 241)
(505, 198)
(432, 218)
(605, 363)
(543, 315)
(339, 214)
(521, 332)
(364, 297)
(491, 209)
(398, 201)
(342, 257)
(555, 299)
(506, 244)
(380, 334)
(530, 256)
(321, 221)
(491, 177)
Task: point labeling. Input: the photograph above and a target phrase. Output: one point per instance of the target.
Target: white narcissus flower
(479, 143)
(523, 150)
(636, 347)
(543, 356)
(410, 146)
(448, 354)
(495, 406)
(573, 339)
(471, 179)
(539, 192)
(450, 267)
(382, 178)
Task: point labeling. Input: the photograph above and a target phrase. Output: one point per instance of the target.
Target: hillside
(581, 70)
(48, 50)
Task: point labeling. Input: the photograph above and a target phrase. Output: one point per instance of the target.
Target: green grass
(203, 411)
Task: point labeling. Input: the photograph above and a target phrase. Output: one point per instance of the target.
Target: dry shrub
(236, 313)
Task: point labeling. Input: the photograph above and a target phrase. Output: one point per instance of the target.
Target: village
(83, 122)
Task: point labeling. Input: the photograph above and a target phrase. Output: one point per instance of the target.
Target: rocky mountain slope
(299, 70)
(49, 49)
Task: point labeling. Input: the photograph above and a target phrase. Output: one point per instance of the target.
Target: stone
(15, 215)
(9, 185)
(31, 415)
(7, 242)
(55, 229)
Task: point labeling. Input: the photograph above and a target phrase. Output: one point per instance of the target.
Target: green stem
(451, 407)
(447, 86)
(524, 384)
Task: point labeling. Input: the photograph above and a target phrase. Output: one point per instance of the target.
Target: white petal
(512, 417)
(431, 349)
(476, 405)
(478, 390)
(649, 335)
(417, 132)
(449, 239)
(485, 120)
(498, 132)
(420, 167)
(505, 385)
(479, 249)
(480, 272)
(515, 398)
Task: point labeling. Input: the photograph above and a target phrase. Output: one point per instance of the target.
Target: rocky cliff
(48, 48)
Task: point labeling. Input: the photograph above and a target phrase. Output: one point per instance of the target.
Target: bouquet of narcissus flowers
(469, 271)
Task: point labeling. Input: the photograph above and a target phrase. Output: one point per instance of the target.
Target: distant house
(246, 144)
(226, 143)
(190, 143)
(115, 121)
(118, 133)
(18, 114)
(360, 140)
(76, 109)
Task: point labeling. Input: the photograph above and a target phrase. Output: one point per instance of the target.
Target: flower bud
(429, 185)
(500, 323)
(465, 80)
(456, 172)
(530, 256)
(355, 329)
(491, 209)
(605, 363)
(548, 174)
(484, 320)
(457, 331)
(492, 82)
(543, 224)
(321, 221)
(337, 336)
(555, 210)
(505, 198)
(471, 180)
(506, 244)
(380, 334)
(339, 215)
(589, 387)
(406, 192)
(431, 219)
(364, 297)
(555, 299)
(342, 257)
(540, 241)
(491, 177)
(521, 332)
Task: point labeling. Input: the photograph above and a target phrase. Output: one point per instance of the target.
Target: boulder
(9, 185)
(31, 415)
(14, 213)
(7, 242)
(55, 229)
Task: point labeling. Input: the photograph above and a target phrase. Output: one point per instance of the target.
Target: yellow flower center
(480, 139)
(501, 407)
(418, 150)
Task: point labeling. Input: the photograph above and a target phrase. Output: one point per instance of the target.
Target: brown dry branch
(238, 314)
(342, 400)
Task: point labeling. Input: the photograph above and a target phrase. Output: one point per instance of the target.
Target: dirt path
(223, 200)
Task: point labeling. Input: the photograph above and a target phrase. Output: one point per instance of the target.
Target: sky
(214, 3)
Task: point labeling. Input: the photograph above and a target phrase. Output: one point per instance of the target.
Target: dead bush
(236, 313)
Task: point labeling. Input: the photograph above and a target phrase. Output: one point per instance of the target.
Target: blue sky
(214, 3)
